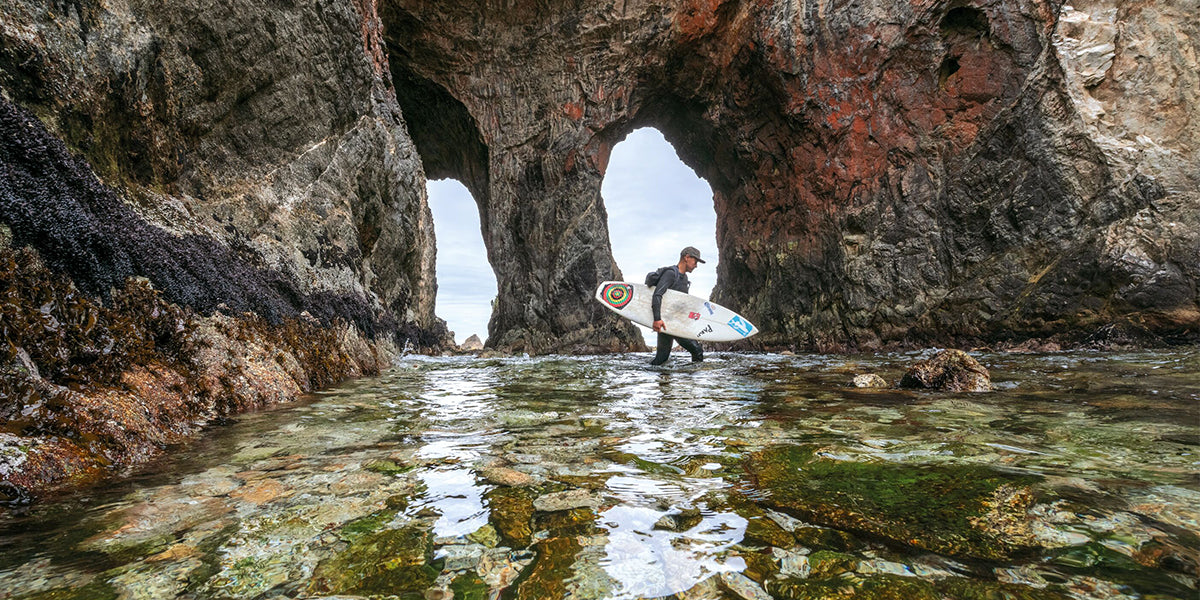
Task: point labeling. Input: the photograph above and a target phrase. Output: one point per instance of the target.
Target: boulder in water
(869, 380)
(949, 371)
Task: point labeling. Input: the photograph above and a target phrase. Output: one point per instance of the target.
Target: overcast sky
(656, 206)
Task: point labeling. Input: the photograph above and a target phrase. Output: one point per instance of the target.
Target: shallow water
(600, 477)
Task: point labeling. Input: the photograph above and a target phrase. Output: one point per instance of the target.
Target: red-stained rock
(884, 172)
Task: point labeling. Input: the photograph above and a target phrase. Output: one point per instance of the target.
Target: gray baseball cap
(692, 252)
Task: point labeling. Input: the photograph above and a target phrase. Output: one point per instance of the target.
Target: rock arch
(921, 178)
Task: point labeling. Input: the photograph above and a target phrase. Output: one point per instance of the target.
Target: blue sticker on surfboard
(741, 325)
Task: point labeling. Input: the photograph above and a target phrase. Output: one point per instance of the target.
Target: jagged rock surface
(257, 155)
(883, 172)
(246, 166)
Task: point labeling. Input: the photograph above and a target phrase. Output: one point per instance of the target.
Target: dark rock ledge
(119, 337)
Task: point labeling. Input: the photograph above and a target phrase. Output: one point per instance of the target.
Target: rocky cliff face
(268, 132)
(249, 166)
(883, 172)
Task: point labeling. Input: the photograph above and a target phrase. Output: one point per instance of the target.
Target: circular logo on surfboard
(617, 295)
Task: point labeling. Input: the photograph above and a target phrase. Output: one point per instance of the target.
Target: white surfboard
(685, 315)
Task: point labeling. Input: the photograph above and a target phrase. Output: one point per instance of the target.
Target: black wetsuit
(671, 279)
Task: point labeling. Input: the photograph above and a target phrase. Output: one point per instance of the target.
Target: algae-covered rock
(388, 467)
(740, 586)
(96, 590)
(680, 521)
(760, 565)
(485, 536)
(387, 562)
(895, 587)
(950, 371)
(823, 538)
(762, 531)
(469, 587)
(577, 521)
(546, 577)
(1097, 560)
(962, 588)
(368, 524)
(824, 563)
(942, 508)
(511, 515)
(809, 589)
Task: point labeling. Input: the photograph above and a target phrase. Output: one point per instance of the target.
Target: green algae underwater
(748, 476)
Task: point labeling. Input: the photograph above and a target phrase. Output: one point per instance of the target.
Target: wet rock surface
(948, 370)
(271, 198)
(883, 173)
(752, 477)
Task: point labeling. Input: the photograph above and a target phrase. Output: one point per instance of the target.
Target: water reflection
(649, 561)
(457, 498)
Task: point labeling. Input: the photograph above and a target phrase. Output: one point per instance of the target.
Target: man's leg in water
(665, 343)
(694, 348)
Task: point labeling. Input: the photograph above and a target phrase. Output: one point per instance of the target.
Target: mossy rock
(396, 562)
(1097, 560)
(577, 521)
(368, 524)
(824, 563)
(811, 589)
(553, 565)
(823, 538)
(96, 590)
(511, 515)
(762, 531)
(961, 588)
(942, 508)
(469, 587)
(760, 565)
(895, 587)
(485, 536)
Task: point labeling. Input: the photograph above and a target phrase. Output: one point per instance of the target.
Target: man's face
(690, 263)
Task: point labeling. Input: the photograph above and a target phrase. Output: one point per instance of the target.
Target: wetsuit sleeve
(665, 281)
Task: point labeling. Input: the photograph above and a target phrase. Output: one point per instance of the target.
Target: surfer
(674, 277)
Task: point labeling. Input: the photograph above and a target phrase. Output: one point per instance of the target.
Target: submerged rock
(949, 371)
(511, 515)
(869, 380)
(944, 508)
(566, 500)
(385, 562)
(895, 587)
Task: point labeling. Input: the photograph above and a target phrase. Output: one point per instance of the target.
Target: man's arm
(665, 281)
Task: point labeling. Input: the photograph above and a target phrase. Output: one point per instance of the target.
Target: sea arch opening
(466, 283)
(656, 206)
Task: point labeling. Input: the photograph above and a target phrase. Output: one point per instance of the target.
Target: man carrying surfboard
(674, 277)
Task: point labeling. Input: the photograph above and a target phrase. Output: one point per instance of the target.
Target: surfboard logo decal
(741, 326)
(617, 295)
(710, 308)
